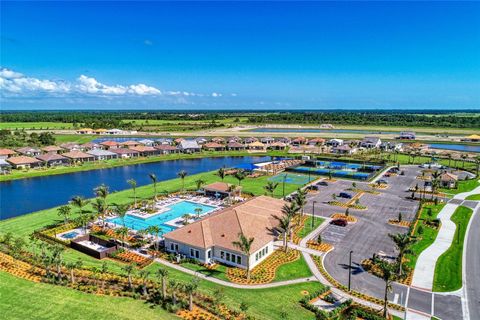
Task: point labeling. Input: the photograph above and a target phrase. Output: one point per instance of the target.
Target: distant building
(29, 151)
(6, 153)
(344, 149)
(79, 156)
(109, 144)
(370, 142)
(335, 142)
(24, 162)
(52, 149)
(213, 146)
(448, 180)
(472, 138)
(235, 146)
(100, 154)
(406, 135)
(53, 159)
(267, 140)
(189, 146)
(146, 151)
(167, 149)
(125, 152)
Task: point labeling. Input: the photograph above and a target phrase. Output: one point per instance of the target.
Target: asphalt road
(473, 267)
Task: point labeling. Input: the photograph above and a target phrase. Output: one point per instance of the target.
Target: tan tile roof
(6, 152)
(213, 145)
(256, 144)
(218, 186)
(254, 218)
(52, 148)
(109, 143)
(50, 157)
(124, 151)
(165, 147)
(22, 160)
(447, 176)
(143, 149)
(235, 145)
(130, 143)
(77, 155)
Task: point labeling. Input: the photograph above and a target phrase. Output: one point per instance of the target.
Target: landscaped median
(448, 269)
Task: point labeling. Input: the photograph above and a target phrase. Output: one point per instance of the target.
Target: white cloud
(17, 85)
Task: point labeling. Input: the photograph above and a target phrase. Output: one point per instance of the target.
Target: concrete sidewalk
(425, 267)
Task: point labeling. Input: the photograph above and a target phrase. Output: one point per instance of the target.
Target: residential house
(213, 146)
(344, 149)
(147, 142)
(6, 153)
(316, 142)
(146, 151)
(115, 132)
(4, 166)
(201, 140)
(472, 138)
(29, 151)
(52, 149)
(235, 146)
(79, 156)
(234, 139)
(125, 153)
(285, 140)
(250, 140)
(90, 146)
(71, 146)
(278, 146)
(130, 143)
(391, 146)
(267, 140)
(212, 238)
(100, 131)
(448, 180)
(298, 141)
(24, 162)
(257, 145)
(189, 146)
(164, 141)
(101, 154)
(178, 140)
(335, 142)
(406, 135)
(222, 190)
(85, 131)
(53, 159)
(167, 149)
(110, 145)
(370, 142)
(218, 140)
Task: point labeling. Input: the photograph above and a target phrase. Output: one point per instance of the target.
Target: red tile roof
(6, 152)
(22, 160)
(77, 155)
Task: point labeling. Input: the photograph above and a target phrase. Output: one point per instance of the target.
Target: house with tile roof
(29, 151)
(109, 144)
(188, 146)
(146, 151)
(6, 153)
(236, 146)
(24, 162)
(213, 146)
(79, 156)
(211, 239)
(52, 149)
(125, 153)
(53, 159)
(167, 149)
(101, 154)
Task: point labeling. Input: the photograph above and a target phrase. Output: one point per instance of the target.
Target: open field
(35, 125)
(448, 270)
(473, 197)
(22, 299)
(463, 186)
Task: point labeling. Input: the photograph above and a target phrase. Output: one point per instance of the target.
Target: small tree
(198, 212)
(270, 187)
(185, 218)
(199, 183)
(129, 270)
(65, 212)
(163, 274)
(153, 177)
(347, 212)
(245, 245)
(319, 239)
(240, 175)
(221, 173)
(400, 217)
(182, 174)
(190, 289)
(133, 185)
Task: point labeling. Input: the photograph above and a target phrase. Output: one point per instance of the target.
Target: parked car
(313, 187)
(345, 195)
(322, 183)
(383, 181)
(339, 222)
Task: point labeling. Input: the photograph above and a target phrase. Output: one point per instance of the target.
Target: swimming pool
(70, 235)
(175, 211)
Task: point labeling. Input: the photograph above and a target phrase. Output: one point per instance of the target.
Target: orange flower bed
(349, 218)
(405, 224)
(132, 257)
(372, 268)
(299, 224)
(19, 268)
(378, 186)
(196, 314)
(323, 247)
(111, 233)
(264, 272)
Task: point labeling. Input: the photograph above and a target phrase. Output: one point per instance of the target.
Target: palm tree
(290, 210)
(403, 242)
(285, 225)
(182, 174)
(240, 175)
(129, 270)
(199, 183)
(72, 266)
(64, 211)
(221, 173)
(301, 199)
(163, 273)
(122, 233)
(477, 162)
(174, 285)
(270, 187)
(388, 272)
(103, 271)
(121, 212)
(153, 177)
(449, 157)
(245, 245)
(133, 184)
(155, 230)
(80, 203)
(57, 258)
(464, 157)
(185, 218)
(144, 276)
(102, 192)
(198, 212)
(101, 207)
(190, 289)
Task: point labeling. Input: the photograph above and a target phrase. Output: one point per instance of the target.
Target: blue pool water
(176, 210)
(335, 173)
(70, 235)
(455, 147)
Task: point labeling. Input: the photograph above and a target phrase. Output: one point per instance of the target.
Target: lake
(314, 130)
(19, 197)
(455, 147)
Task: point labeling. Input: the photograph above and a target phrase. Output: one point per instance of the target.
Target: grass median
(448, 270)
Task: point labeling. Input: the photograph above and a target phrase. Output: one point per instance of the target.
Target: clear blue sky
(240, 55)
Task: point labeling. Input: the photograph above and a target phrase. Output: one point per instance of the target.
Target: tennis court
(299, 179)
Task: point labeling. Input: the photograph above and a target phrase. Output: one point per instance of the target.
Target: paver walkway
(425, 267)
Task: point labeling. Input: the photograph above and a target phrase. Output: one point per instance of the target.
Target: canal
(19, 197)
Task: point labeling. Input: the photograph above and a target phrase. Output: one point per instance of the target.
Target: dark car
(322, 183)
(383, 181)
(339, 222)
(345, 195)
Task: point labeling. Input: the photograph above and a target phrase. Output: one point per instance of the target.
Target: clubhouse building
(211, 239)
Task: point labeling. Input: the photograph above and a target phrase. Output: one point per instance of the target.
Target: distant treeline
(120, 119)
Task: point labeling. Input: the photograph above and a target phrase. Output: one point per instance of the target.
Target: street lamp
(350, 271)
(284, 179)
(313, 213)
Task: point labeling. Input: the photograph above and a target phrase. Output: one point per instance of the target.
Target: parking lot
(369, 234)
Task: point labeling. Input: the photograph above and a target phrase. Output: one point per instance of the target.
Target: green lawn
(293, 270)
(448, 270)
(76, 138)
(473, 197)
(35, 125)
(427, 237)
(463, 186)
(21, 299)
(307, 227)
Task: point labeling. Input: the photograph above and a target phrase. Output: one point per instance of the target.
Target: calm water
(455, 147)
(313, 130)
(23, 196)
(177, 210)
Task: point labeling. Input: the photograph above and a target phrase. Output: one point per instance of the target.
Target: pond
(455, 147)
(19, 197)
